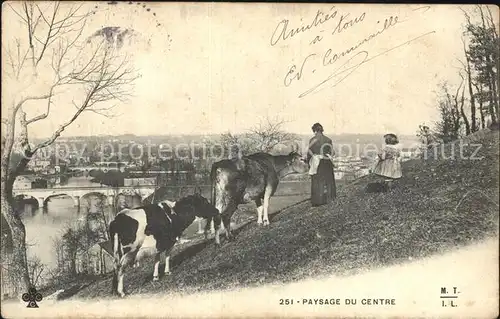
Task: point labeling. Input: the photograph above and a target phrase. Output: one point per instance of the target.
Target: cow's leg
(212, 226)
(166, 270)
(217, 223)
(208, 227)
(260, 208)
(157, 264)
(119, 280)
(267, 198)
(126, 260)
(115, 277)
(200, 228)
(222, 226)
(226, 220)
(167, 264)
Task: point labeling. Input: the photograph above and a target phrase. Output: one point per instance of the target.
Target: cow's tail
(117, 253)
(213, 196)
(213, 181)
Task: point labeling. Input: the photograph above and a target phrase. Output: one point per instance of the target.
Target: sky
(212, 67)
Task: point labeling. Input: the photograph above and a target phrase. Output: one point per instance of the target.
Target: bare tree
(48, 58)
(483, 55)
(461, 103)
(450, 107)
(268, 134)
(264, 137)
(235, 145)
(98, 220)
(36, 269)
(470, 84)
(450, 110)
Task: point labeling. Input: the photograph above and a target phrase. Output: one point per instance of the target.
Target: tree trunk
(473, 126)
(466, 121)
(19, 265)
(481, 114)
(492, 108)
(479, 89)
(18, 258)
(494, 91)
(462, 112)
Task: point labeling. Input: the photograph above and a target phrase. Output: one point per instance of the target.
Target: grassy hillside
(438, 204)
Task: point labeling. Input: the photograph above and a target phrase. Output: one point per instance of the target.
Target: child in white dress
(389, 160)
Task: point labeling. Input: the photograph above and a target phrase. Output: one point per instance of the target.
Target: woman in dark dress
(319, 156)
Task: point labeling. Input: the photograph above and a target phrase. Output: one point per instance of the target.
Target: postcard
(257, 160)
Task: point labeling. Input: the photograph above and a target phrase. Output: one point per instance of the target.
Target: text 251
(286, 302)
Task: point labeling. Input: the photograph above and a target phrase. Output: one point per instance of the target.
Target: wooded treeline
(473, 103)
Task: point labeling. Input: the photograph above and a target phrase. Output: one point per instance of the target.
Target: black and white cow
(252, 178)
(157, 226)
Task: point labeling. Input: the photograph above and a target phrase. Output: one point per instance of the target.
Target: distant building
(111, 164)
(23, 182)
(56, 169)
(38, 165)
(55, 180)
(39, 183)
(139, 181)
(167, 177)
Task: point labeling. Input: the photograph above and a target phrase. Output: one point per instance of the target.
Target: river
(43, 227)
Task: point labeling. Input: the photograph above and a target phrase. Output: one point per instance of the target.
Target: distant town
(124, 161)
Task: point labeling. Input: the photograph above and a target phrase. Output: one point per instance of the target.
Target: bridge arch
(28, 204)
(128, 199)
(74, 198)
(94, 200)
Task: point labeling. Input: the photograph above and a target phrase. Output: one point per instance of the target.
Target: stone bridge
(87, 169)
(42, 195)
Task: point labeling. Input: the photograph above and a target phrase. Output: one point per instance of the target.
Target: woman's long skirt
(323, 189)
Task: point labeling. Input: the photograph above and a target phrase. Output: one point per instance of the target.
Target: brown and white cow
(156, 226)
(251, 178)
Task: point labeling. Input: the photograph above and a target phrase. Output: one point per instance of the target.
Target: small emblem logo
(32, 297)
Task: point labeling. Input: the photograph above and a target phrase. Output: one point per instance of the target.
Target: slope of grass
(438, 204)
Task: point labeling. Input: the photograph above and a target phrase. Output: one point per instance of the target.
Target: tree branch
(492, 22)
(58, 132)
(17, 13)
(44, 115)
(30, 98)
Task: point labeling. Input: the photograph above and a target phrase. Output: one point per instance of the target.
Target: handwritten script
(283, 32)
(343, 62)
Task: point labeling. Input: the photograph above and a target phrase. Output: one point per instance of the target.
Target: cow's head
(200, 205)
(297, 163)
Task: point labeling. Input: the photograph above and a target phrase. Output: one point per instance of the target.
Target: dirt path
(414, 286)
